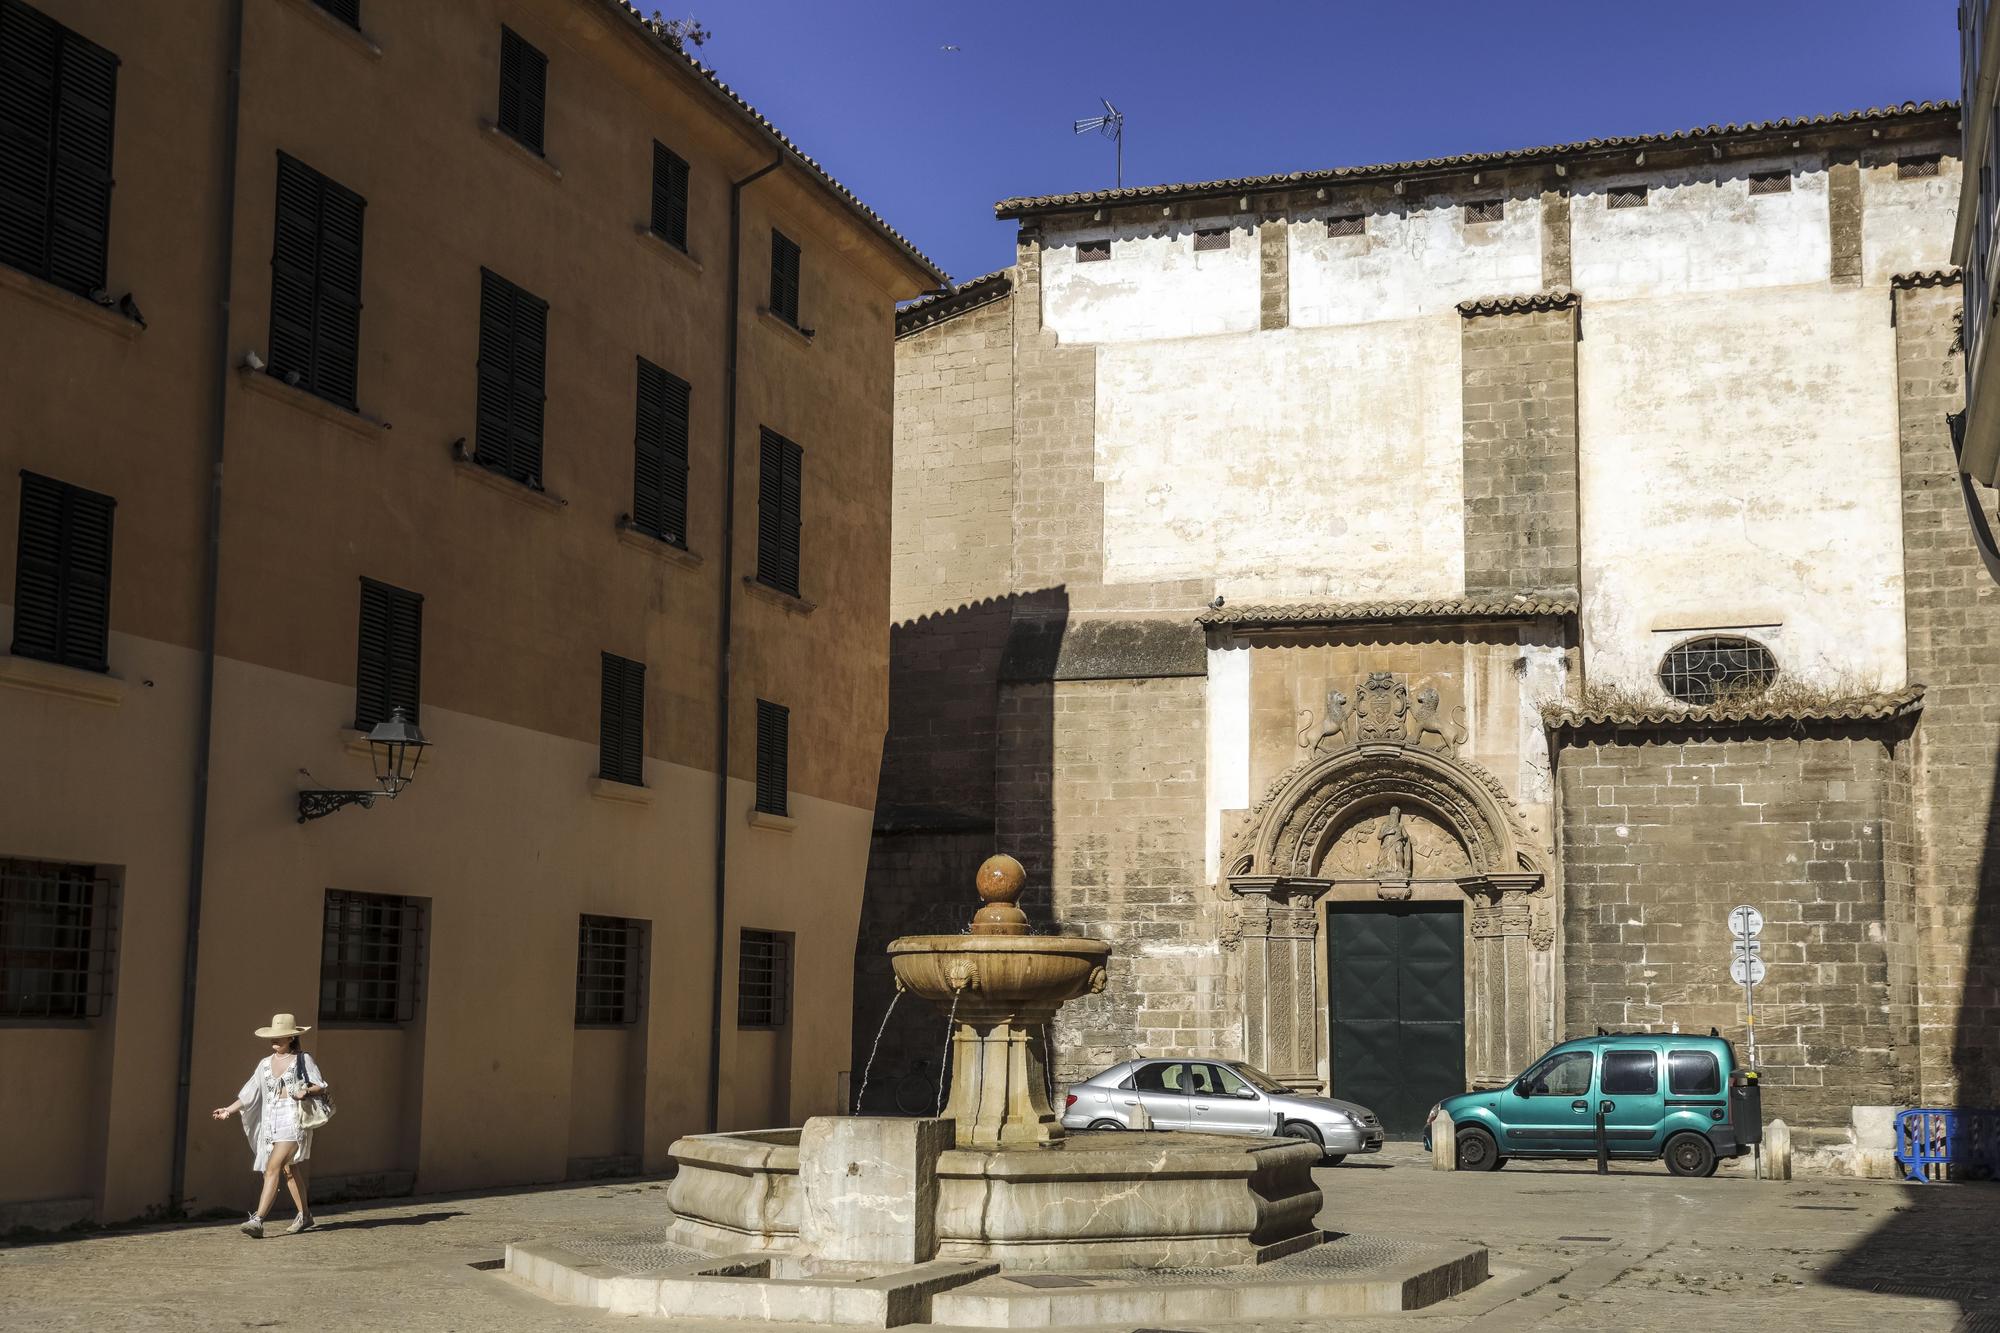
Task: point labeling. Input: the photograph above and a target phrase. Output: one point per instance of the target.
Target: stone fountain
(877, 1220)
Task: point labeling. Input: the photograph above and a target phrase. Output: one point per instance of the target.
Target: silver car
(1219, 1097)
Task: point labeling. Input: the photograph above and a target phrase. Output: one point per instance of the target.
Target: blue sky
(931, 138)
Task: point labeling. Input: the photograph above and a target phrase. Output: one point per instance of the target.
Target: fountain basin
(1024, 976)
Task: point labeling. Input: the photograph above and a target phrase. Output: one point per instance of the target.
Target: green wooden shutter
(62, 574)
(316, 283)
(523, 89)
(774, 723)
(670, 195)
(389, 670)
(337, 326)
(347, 11)
(784, 277)
(513, 353)
(621, 744)
(660, 463)
(58, 101)
(779, 485)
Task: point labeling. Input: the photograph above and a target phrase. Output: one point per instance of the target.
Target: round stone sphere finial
(1000, 881)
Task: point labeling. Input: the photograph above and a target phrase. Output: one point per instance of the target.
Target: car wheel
(1477, 1151)
(1335, 1159)
(1304, 1133)
(1105, 1124)
(1690, 1155)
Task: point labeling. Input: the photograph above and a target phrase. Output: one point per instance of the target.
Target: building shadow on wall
(1938, 1245)
(966, 772)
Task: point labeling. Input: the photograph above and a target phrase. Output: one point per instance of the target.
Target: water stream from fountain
(950, 1031)
(869, 1068)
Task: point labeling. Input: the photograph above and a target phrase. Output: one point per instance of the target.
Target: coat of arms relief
(1384, 711)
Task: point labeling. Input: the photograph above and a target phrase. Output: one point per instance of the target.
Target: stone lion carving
(1428, 723)
(1333, 726)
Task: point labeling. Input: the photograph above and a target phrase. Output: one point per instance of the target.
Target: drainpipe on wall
(211, 581)
(722, 664)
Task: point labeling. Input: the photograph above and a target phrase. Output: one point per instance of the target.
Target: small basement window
(1352, 225)
(1626, 196)
(1771, 182)
(1718, 669)
(1216, 238)
(1486, 210)
(1090, 251)
(1917, 168)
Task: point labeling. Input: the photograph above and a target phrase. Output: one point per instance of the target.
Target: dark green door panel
(1397, 1007)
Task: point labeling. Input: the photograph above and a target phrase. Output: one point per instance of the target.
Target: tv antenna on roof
(1112, 126)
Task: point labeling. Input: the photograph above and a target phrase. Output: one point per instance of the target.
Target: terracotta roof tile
(1856, 708)
(928, 310)
(1928, 277)
(1023, 205)
(1300, 614)
(1557, 298)
(812, 168)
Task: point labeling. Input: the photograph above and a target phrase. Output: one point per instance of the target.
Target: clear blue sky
(931, 138)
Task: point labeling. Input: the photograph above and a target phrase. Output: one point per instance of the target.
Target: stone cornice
(1556, 298)
(1300, 615)
(1857, 708)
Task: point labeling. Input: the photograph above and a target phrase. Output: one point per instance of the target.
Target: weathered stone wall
(1664, 833)
(1953, 611)
(1520, 451)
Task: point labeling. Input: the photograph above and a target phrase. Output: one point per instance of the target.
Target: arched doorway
(1397, 927)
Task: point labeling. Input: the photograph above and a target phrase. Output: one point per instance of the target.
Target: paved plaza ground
(1639, 1250)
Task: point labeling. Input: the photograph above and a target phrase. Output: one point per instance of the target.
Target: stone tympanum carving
(1397, 859)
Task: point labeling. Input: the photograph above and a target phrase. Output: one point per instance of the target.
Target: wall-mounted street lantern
(398, 747)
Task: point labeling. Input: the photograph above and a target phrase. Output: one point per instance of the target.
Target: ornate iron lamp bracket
(318, 803)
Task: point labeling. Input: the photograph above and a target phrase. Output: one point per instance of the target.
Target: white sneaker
(254, 1228)
(303, 1222)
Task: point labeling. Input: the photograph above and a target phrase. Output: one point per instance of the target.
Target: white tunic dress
(270, 1112)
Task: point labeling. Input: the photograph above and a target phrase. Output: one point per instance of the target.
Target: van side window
(1631, 1073)
(1565, 1075)
(1693, 1074)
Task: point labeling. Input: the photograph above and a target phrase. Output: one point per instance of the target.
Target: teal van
(1677, 1097)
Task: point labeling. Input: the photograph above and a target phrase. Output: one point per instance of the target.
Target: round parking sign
(1746, 920)
(1748, 971)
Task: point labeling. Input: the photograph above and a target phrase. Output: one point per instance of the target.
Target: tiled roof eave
(1023, 206)
(1556, 298)
(927, 311)
(1928, 277)
(1306, 615)
(1859, 708)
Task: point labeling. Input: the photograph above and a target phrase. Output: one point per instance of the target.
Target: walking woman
(270, 1104)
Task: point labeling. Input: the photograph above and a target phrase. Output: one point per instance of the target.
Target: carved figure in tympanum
(1358, 851)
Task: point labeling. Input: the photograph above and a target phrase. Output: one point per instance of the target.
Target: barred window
(764, 979)
(1915, 168)
(1486, 210)
(1718, 669)
(1626, 196)
(1088, 252)
(58, 937)
(610, 970)
(1354, 224)
(1771, 182)
(1213, 239)
(371, 957)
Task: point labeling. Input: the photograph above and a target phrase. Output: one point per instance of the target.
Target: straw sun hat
(282, 1025)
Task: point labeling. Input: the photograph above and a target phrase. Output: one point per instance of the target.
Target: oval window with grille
(1718, 669)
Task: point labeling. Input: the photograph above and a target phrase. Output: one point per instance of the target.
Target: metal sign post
(1746, 966)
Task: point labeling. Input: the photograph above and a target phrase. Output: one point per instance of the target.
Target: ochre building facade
(409, 373)
(1405, 608)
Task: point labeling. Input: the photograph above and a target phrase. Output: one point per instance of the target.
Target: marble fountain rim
(1073, 945)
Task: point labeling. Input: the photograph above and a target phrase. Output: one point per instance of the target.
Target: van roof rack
(1647, 1032)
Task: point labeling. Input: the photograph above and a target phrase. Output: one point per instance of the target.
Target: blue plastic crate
(1934, 1144)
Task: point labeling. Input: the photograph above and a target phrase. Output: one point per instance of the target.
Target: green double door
(1397, 1001)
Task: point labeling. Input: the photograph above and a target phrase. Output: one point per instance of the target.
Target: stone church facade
(1404, 609)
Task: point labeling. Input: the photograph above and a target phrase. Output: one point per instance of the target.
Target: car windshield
(1259, 1080)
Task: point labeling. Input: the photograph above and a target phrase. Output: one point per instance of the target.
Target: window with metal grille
(779, 478)
(513, 357)
(1718, 669)
(524, 74)
(670, 196)
(621, 727)
(347, 11)
(315, 283)
(58, 938)
(1915, 168)
(774, 756)
(1089, 252)
(1352, 225)
(1215, 239)
(389, 673)
(1486, 210)
(763, 979)
(784, 277)
(58, 94)
(610, 970)
(1626, 196)
(62, 574)
(1771, 182)
(660, 455)
(371, 957)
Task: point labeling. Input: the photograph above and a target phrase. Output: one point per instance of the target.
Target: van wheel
(1105, 1124)
(1690, 1155)
(1476, 1151)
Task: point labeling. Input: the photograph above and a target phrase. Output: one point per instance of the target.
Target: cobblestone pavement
(1639, 1250)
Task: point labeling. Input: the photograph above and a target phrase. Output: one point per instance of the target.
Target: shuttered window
(660, 456)
(62, 574)
(513, 355)
(774, 756)
(778, 479)
(621, 729)
(390, 671)
(316, 283)
(784, 277)
(670, 196)
(57, 97)
(524, 74)
(347, 11)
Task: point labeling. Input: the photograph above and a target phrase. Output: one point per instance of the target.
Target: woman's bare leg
(296, 1181)
(274, 1168)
